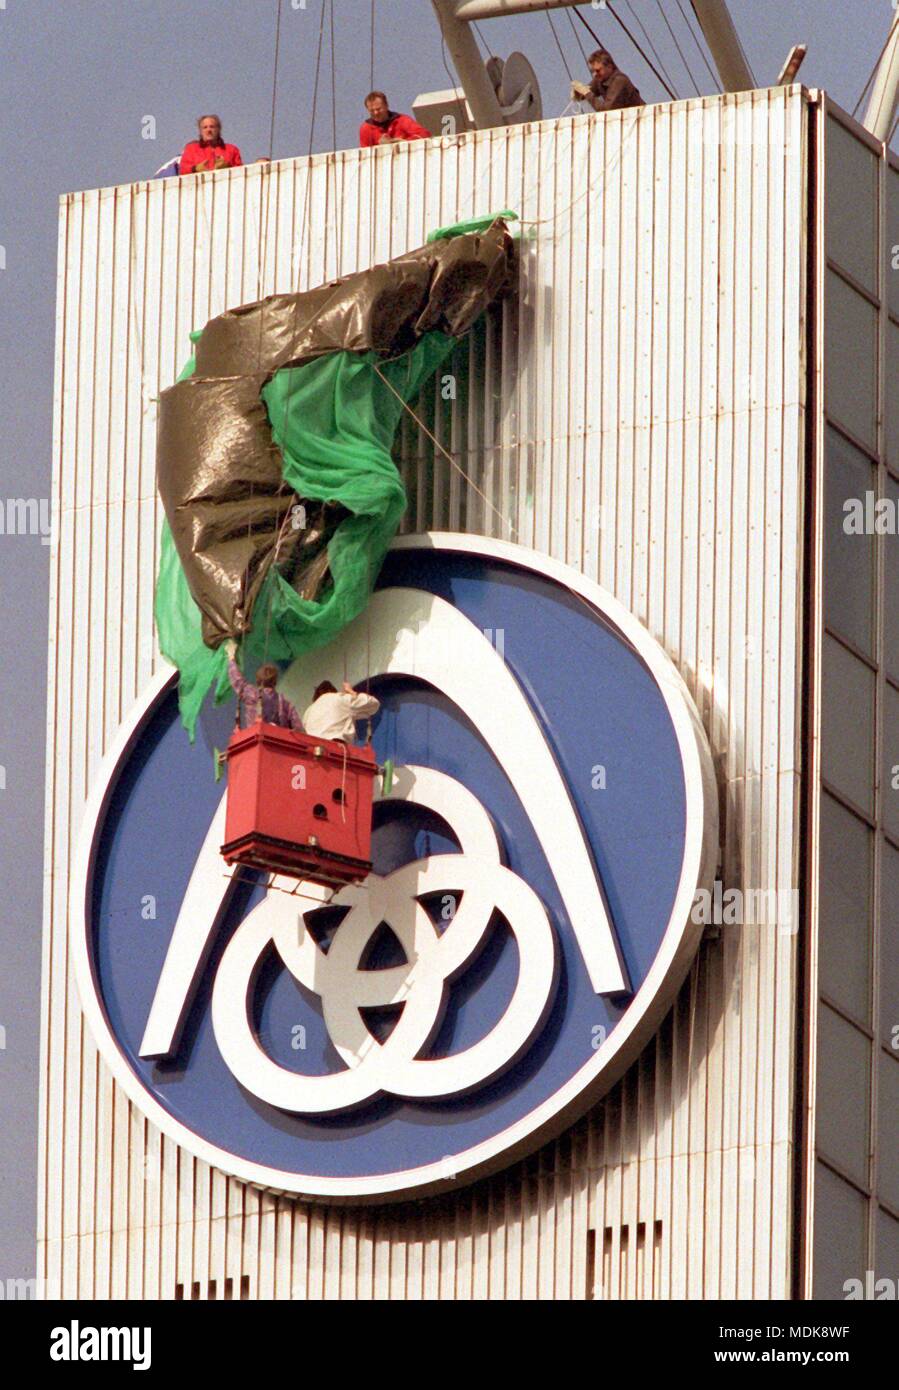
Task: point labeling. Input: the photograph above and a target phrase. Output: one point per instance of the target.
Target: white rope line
(439, 447)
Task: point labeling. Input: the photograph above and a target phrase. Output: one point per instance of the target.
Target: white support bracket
(881, 110)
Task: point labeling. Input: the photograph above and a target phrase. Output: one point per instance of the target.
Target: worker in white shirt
(333, 714)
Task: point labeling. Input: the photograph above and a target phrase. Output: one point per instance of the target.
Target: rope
(620, 22)
(695, 38)
(368, 645)
(454, 81)
(440, 449)
(333, 86)
(558, 44)
(265, 201)
(371, 76)
(576, 34)
(303, 230)
(477, 30)
(652, 47)
(339, 201)
(680, 52)
(585, 192)
(271, 134)
(318, 62)
(647, 61)
(264, 206)
(273, 565)
(307, 198)
(343, 785)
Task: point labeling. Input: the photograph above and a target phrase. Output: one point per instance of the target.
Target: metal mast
(721, 37)
(456, 16)
(881, 110)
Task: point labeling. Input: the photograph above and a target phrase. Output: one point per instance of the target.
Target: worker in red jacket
(210, 151)
(386, 127)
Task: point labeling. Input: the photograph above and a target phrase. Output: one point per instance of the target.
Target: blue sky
(80, 79)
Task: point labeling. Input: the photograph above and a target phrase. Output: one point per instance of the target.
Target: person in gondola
(275, 708)
(333, 713)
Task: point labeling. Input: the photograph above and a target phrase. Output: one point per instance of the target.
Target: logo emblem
(524, 929)
(419, 987)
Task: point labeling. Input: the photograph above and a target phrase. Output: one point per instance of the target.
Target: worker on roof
(334, 715)
(386, 127)
(609, 89)
(209, 151)
(275, 708)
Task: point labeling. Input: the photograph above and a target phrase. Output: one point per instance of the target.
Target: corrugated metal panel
(638, 413)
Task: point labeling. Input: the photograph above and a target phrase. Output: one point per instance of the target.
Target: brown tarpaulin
(220, 475)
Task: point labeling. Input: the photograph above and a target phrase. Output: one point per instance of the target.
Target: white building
(691, 381)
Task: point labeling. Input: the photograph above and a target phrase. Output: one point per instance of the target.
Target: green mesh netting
(334, 421)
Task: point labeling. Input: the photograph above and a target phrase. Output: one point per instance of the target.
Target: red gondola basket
(299, 805)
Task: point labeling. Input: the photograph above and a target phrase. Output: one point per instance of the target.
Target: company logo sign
(525, 927)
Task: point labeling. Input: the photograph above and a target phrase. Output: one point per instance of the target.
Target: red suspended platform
(299, 805)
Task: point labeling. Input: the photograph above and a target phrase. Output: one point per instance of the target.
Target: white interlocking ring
(433, 959)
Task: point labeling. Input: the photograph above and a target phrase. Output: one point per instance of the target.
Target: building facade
(853, 750)
(649, 408)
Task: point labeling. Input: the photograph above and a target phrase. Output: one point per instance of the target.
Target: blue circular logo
(525, 926)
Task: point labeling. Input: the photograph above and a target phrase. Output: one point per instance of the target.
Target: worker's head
(601, 64)
(267, 676)
(210, 128)
(324, 688)
(376, 105)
